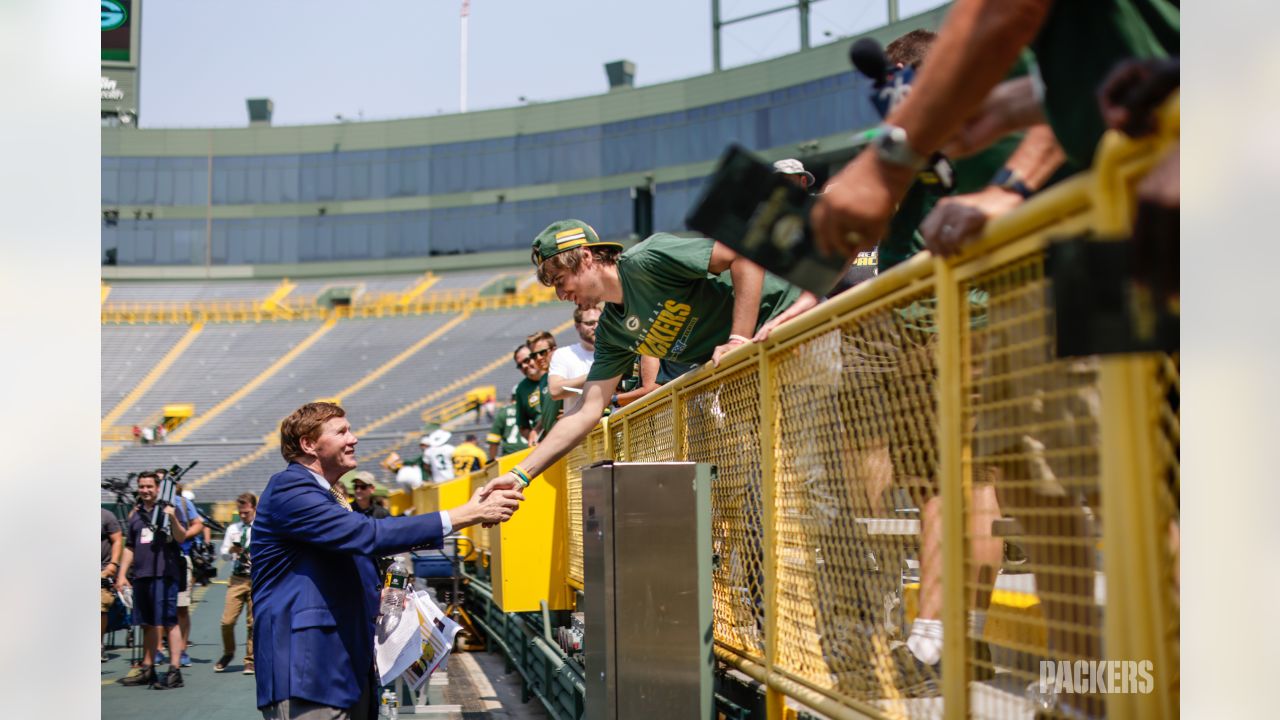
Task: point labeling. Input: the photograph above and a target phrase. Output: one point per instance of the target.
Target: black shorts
(155, 602)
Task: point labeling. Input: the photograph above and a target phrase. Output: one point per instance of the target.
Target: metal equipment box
(647, 565)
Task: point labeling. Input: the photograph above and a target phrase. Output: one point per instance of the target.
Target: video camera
(164, 496)
(119, 486)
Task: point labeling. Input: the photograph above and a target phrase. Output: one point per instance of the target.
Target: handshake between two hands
(494, 503)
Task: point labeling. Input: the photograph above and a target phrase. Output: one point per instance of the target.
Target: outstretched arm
(304, 512)
(562, 438)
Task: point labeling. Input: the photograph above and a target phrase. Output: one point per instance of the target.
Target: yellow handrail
(286, 309)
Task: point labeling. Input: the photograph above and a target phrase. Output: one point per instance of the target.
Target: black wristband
(1010, 180)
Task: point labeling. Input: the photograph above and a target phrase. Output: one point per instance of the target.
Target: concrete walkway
(208, 695)
(476, 685)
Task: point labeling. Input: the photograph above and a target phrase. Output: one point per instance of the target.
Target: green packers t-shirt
(505, 432)
(672, 308)
(527, 401)
(1078, 46)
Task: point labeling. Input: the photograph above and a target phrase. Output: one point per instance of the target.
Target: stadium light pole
(462, 60)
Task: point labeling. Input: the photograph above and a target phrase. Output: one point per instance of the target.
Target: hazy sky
(386, 59)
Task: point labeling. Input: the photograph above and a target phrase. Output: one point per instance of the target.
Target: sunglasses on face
(525, 361)
(362, 487)
(539, 354)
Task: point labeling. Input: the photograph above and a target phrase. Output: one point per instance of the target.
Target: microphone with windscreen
(869, 59)
(890, 83)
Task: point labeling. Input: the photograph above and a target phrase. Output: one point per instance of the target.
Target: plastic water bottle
(396, 587)
(390, 706)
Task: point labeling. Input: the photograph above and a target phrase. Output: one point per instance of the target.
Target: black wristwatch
(1013, 182)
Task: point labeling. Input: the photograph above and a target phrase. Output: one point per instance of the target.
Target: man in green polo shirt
(685, 299)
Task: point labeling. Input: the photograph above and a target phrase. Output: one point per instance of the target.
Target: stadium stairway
(378, 411)
(129, 353)
(381, 382)
(350, 353)
(220, 361)
(279, 363)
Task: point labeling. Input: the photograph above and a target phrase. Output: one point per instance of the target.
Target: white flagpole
(462, 64)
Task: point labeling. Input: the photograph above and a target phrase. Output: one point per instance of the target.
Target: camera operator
(158, 574)
(235, 550)
(112, 546)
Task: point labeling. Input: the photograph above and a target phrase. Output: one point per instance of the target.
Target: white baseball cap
(791, 166)
(437, 438)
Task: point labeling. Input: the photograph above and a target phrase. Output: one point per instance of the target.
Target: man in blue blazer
(315, 582)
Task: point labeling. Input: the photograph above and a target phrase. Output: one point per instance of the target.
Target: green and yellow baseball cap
(566, 235)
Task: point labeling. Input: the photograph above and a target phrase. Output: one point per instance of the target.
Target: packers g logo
(114, 15)
(632, 323)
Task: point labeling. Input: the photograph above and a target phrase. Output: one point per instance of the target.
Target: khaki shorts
(108, 599)
(184, 597)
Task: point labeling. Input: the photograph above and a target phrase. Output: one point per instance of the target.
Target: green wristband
(521, 475)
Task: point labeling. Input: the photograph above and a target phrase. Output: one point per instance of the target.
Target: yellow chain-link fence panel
(722, 427)
(588, 452)
(576, 461)
(920, 425)
(855, 462)
(1030, 425)
(650, 434)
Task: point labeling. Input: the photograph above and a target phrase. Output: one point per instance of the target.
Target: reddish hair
(305, 422)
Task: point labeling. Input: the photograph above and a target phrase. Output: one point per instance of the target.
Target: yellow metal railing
(915, 449)
(446, 411)
(296, 309)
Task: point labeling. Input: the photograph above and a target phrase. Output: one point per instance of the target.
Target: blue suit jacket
(316, 589)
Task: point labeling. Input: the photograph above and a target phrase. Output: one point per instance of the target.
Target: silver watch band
(891, 146)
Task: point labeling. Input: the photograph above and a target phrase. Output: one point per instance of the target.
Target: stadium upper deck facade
(467, 183)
